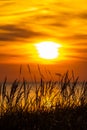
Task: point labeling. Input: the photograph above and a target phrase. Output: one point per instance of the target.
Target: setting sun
(48, 49)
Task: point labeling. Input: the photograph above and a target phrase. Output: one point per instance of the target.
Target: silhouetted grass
(59, 105)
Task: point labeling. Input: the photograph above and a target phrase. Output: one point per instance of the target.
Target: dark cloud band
(14, 33)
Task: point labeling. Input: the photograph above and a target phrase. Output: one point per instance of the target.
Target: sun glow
(48, 49)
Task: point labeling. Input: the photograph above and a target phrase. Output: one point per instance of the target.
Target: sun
(48, 49)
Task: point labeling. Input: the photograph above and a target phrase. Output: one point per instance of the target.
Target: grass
(59, 105)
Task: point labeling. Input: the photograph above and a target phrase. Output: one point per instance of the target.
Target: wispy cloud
(77, 36)
(83, 15)
(77, 58)
(6, 55)
(6, 3)
(16, 33)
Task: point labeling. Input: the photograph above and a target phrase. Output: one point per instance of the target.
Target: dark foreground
(58, 119)
(67, 105)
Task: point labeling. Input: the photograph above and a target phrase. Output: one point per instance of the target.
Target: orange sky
(25, 23)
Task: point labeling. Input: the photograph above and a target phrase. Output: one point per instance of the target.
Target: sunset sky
(25, 23)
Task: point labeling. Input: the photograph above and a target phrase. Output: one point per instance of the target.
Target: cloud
(1, 44)
(77, 49)
(58, 24)
(81, 58)
(12, 32)
(2, 55)
(78, 36)
(83, 15)
(7, 3)
(59, 19)
(79, 44)
(14, 58)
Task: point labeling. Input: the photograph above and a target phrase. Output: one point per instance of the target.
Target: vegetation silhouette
(45, 105)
